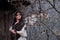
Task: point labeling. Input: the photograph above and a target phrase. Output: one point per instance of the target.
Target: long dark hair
(14, 18)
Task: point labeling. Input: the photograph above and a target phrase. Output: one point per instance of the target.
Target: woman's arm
(12, 30)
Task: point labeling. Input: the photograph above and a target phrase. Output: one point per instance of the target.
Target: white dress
(22, 38)
(23, 33)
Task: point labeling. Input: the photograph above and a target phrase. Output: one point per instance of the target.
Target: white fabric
(22, 38)
(23, 32)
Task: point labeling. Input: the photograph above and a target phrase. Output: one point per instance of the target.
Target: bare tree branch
(53, 6)
(50, 29)
(40, 5)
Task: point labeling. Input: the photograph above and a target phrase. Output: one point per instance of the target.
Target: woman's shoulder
(22, 24)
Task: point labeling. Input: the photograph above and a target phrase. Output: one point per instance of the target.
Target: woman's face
(18, 16)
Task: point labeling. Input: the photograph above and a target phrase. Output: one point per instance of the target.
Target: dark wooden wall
(5, 23)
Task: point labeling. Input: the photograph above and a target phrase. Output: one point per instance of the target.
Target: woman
(17, 26)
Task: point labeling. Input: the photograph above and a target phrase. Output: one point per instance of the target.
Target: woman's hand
(19, 32)
(22, 33)
(13, 31)
(17, 22)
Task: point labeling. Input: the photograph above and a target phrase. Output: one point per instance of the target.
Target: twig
(53, 6)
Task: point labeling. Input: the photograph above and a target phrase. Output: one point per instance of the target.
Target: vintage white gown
(22, 32)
